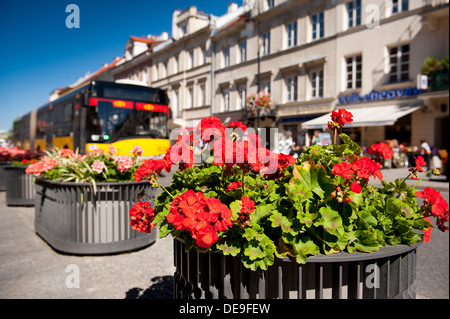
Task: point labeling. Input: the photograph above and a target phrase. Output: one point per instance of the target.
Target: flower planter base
(19, 186)
(3, 175)
(386, 274)
(71, 219)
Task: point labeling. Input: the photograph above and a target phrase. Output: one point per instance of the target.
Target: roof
(142, 39)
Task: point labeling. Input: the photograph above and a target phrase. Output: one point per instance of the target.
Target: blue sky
(39, 53)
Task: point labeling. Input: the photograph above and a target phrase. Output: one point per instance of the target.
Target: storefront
(377, 116)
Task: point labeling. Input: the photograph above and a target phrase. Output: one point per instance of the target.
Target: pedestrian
(286, 144)
(425, 152)
(315, 140)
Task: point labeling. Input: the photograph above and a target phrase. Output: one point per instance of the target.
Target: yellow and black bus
(97, 115)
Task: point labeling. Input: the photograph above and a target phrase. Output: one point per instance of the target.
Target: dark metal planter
(74, 220)
(2, 175)
(19, 186)
(386, 274)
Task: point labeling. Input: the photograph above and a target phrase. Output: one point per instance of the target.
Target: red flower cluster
(435, 204)
(201, 216)
(248, 206)
(381, 150)
(362, 168)
(234, 185)
(339, 119)
(141, 217)
(210, 127)
(149, 169)
(359, 171)
(419, 163)
(181, 153)
(45, 164)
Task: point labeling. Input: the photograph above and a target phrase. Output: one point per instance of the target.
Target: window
(226, 57)
(354, 13)
(317, 84)
(190, 98)
(202, 95)
(242, 97)
(243, 51)
(183, 29)
(270, 4)
(175, 64)
(155, 72)
(291, 89)
(354, 72)
(265, 87)
(175, 104)
(191, 60)
(204, 55)
(265, 48)
(399, 6)
(399, 63)
(226, 100)
(317, 21)
(292, 34)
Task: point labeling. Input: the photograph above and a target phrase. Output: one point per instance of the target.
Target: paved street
(30, 269)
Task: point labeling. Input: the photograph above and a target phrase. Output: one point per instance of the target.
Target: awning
(367, 116)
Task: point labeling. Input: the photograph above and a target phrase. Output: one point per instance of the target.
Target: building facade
(317, 56)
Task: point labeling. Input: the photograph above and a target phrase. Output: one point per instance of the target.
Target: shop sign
(378, 96)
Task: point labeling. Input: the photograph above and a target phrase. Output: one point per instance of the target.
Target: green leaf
(330, 220)
(351, 145)
(368, 218)
(261, 212)
(278, 220)
(310, 178)
(366, 241)
(302, 245)
(395, 206)
(229, 248)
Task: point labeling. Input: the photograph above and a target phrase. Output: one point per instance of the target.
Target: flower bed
(244, 200)
(82, 201)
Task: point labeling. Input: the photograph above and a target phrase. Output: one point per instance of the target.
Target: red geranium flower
(355, 187)
(364, 167)
(344, 169)
(202, 217)
(210, 127)
(381, 149)
(437, 205)
(141, 217)
(419, 163)
(342, 117)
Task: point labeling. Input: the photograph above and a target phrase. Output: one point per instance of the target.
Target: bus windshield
(106, 123)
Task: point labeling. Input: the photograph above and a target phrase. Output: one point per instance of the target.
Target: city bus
(98, 115)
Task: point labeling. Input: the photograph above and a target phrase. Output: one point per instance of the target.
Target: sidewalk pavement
(31, 269)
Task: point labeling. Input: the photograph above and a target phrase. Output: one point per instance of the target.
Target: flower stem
(166, 191)
(243, 184)
(422, 178)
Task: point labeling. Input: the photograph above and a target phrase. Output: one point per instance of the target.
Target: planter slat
(388, 273)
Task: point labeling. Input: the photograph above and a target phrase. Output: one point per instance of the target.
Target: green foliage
(301, 212)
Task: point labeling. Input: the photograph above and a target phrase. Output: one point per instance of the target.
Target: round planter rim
(342, 256)
(15, 167)
(53, 182)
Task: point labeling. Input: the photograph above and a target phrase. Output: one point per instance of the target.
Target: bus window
(106, 122)
(152, 124)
